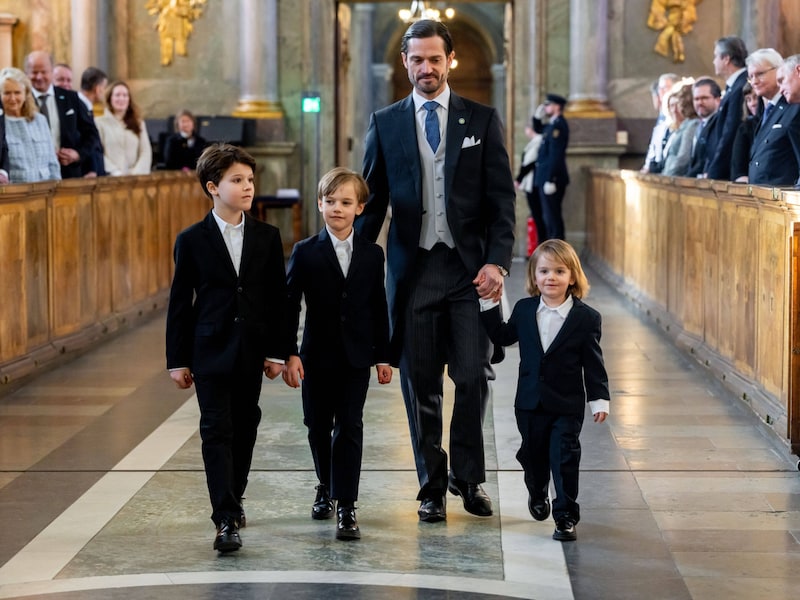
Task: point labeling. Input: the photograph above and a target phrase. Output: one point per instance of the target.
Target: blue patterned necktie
(432, 124)
(767, 110)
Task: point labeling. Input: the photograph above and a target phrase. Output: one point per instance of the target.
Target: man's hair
(734, 48)
(427, 29)
(791, 62)
(768, 56)
(712, 85)
(91, 77)
(215, 161)
(336, 178)
(27, 62)
(64, 65)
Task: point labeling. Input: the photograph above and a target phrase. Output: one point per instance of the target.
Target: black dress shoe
(432, 510)
(476, 501)
(323, 505)
(347, 524)
(539, 509)
(565, 531)
(227, 538)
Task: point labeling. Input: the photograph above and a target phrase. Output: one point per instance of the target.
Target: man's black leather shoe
(227, 538)
(323, 505)
(539, 509)
(565, 531)
(432, 510)
(476, 501)
(347, 524)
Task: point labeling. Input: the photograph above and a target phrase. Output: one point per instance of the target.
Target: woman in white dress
(31, 154)
(126, 145)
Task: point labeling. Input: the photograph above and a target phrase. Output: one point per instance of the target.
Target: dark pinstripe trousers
(442, 327)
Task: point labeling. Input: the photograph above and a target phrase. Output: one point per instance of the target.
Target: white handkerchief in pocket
(469, 142)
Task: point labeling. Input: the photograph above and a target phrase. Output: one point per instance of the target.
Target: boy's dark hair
(216, 159)
(336, 177)
(427, 29)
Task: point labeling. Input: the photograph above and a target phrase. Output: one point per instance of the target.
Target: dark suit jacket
(718, 161)
(479, 190)
(178, 154)
(215, 318)
(346, 318)
(773, 159)
(700, 151)
(551, 163)
(3, 144)
(570, 373)
(740, 155)
(78, 131)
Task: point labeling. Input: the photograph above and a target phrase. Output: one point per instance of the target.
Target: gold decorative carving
(674, 19)
(174, 24)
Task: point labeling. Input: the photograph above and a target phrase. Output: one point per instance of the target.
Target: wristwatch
(503, 270)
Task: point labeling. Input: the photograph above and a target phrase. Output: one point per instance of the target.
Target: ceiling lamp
(419, 10)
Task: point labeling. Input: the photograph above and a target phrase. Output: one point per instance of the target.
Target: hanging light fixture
(420, 10)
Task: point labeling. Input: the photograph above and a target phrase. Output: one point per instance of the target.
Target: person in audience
(773, 160)
(706, 96)
(93, 89)
(126, 145)
(740, 155)
(658, 138)
(684, 121)
(729, 56)
(183, 148)
(31, 155)
(3, 147)
(524, 179)
(62, 76)
(72, 128)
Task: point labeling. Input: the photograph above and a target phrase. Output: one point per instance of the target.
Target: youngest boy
(340, 275)
(226, 315)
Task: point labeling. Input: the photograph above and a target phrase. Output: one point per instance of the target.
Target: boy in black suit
(340, 275)
(561, 366)
(226, 315)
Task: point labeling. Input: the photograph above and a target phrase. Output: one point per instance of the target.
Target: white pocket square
(777, 126)
(470, 142)
(71, 111)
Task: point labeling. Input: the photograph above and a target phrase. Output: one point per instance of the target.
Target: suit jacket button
(344, 294)
(238, 319)
(240, 289)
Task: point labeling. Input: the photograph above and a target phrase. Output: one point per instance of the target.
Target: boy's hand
(384, 373)
(182, 378)
(272, 369)
(600, 417)
(293, 372)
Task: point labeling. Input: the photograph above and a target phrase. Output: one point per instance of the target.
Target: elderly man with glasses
(773, 158)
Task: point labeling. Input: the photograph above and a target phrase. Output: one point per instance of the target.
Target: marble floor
(102, 493)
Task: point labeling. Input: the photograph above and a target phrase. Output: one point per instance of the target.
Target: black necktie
(43, 107)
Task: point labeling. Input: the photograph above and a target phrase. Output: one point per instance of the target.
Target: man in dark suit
(729, 56)
(3, 148)
(773, 160)
(789, 83)
(74, 133)
(226, 318)
(706, 98)
(551, 176)
(441, 161)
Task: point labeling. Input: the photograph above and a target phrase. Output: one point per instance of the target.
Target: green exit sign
(312, 104)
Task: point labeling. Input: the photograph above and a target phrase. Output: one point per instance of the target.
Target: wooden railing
(84, 258)
(714, 265)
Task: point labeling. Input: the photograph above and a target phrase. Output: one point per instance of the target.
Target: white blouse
(124, 153)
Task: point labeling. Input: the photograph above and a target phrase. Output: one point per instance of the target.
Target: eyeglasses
(759, 74)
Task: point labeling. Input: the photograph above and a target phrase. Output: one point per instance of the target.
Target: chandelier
(419, 10)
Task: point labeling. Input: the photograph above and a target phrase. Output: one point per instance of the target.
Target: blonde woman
(126, 145)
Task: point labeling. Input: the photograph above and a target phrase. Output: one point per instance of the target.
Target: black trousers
(535, 206)
(550, 444)
(551, 213)
(442, 327)
(229, 418)
(333, 409)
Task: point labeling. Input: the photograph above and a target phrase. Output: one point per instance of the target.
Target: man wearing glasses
(772, 157)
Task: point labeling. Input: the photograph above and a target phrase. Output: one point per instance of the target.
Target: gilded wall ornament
(174, 24)
(674, 19)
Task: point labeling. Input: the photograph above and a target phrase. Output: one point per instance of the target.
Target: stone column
(361, 79)
(499, 88)
(588, 57)
(7, 22)
(258, 51)
(381, 85)
(83, 19)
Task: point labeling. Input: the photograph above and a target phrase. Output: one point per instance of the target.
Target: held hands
(599, 417)
(293, 372)
(182, 378)
(67, 156)
(384, 373)
(272, 369)
(489, 283)
(549, 188)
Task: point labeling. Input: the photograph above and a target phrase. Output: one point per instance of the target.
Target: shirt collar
(222, 224)
(734, 76)
(442, 99)
(562, 309)
(50, 91)
(334, 240)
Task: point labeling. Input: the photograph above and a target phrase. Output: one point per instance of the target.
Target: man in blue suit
(440, 161)
(550, 175)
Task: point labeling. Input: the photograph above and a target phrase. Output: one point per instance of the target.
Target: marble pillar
(499, 89)
(258, 51)
(84, 37)
(588, 58)
(381, 85)
(361, 101)
(7, 22)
